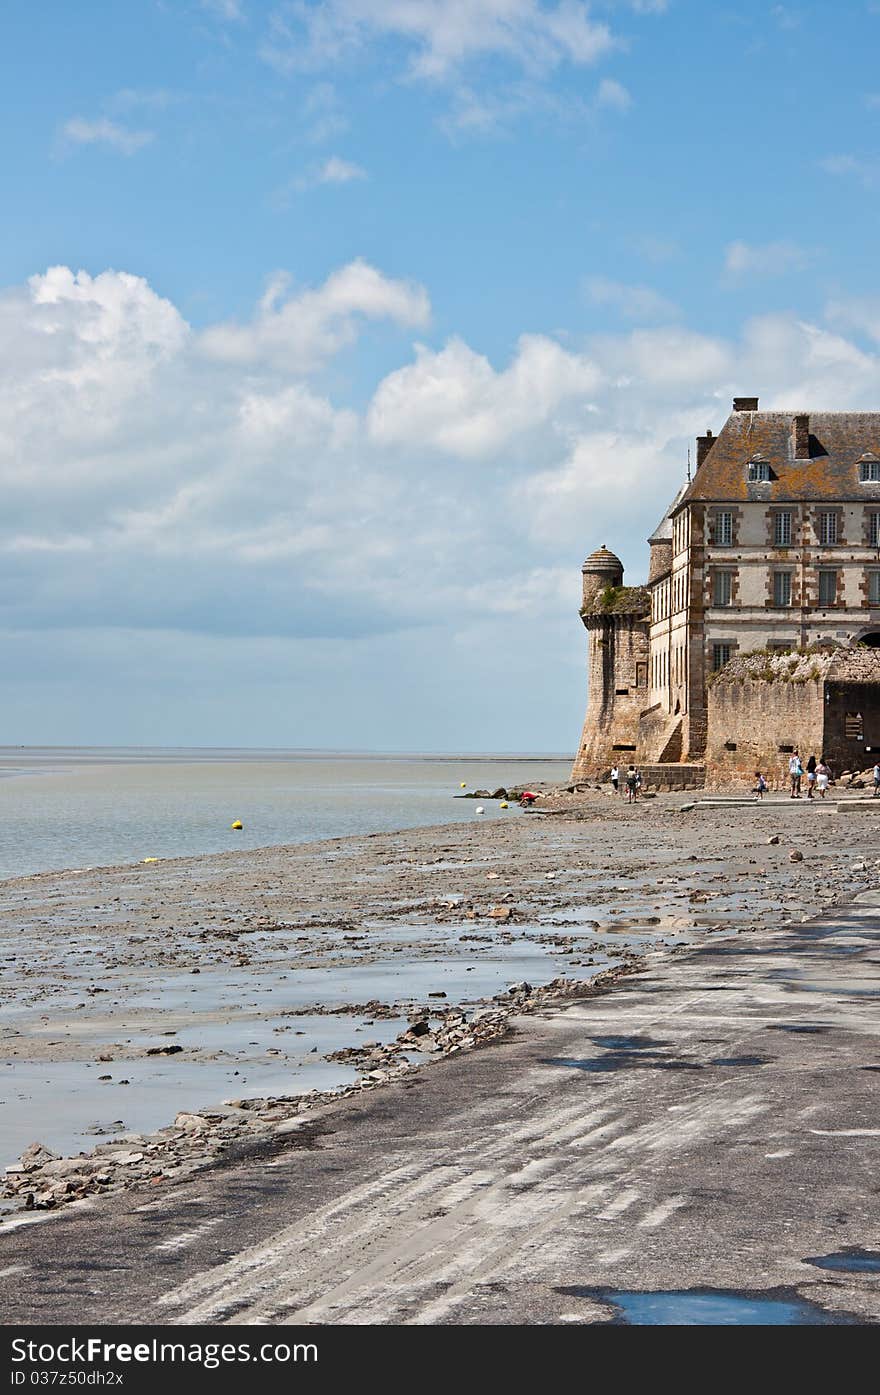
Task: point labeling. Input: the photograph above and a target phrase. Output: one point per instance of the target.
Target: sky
(334, 334)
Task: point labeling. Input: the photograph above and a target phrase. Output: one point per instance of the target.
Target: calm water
(73, 807)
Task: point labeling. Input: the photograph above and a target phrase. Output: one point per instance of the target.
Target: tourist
(823, 775)
(631, 784)
(811, 777)
(638, 782)
(795, 773)
(877, 780)
(760, 785)
(615, 778)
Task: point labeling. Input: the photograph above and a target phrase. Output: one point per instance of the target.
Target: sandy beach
(154, 1016)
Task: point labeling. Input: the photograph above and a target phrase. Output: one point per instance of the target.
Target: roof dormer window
(869, 468)
(759, 471)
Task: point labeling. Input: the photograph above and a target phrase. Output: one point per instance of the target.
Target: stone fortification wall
(760, 708)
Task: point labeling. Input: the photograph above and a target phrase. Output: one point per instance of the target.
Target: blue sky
(335, 334)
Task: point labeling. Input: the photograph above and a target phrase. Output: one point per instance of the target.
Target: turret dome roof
(602, 559)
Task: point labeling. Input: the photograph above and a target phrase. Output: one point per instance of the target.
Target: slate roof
(837, 441)
(663, 531)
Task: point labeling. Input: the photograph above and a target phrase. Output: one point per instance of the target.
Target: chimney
(745, 404)
(800, 431)
(704, 445)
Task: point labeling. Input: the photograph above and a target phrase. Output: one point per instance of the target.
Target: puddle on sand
(791, 1027)
(626, 1043)
(739, 1061)
(622, 1060)
(853, 1261)
(710, 1307)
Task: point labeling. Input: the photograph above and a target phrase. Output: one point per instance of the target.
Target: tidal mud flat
(158, 1016)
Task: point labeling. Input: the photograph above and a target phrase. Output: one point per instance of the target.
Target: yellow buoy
(462, 786)
(504, 804)
(151, 859)
(238, 824)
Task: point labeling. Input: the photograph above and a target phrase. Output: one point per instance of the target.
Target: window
(720, 656)
(782, 528)
(853, 727)
(641, 675)
(873, 588)
(827, 529)
(869, 471)
(723, 529)
(759, 470)
(723, 588)
(874, 529)
(827, 588)
(782, 588)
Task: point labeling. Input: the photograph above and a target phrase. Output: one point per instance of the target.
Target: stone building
(774, 545)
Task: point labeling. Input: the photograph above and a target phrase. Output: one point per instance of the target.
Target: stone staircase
(672, 750)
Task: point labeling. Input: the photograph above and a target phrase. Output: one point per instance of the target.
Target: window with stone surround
(722, 588)
(723, 528)
(782, 588)
(759, 471)
(869, 471)
(782, 528)
(874, 588)
(720, 656)
(827, 528)
(827, 587)
(874, 528)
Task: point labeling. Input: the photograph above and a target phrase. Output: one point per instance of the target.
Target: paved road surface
(712, 1122)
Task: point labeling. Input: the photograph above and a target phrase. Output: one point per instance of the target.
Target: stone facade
(773, 545)
(762, 707)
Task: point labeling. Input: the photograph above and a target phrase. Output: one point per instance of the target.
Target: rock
(795, 856)
(500, 793)
(191, 1122)
(438, 994)
(164, 1050)
(686, 808)
(859, 867)
(500, 912)
(35, 1155)
(773, 839)
(418, 1029)
(523, 987)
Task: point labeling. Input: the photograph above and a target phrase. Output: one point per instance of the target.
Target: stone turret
(601, 570)
(616, 620)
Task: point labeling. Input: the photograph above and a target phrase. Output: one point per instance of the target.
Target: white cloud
(613, 95)
(224, 9)
(79, 131)
(301, 331)
(867, 172)
(635, 302)
(439, 35)
(335, 170)
(767, 259)
(455, 401)
(861, 314)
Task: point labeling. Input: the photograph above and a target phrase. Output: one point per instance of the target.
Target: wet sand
(155, 1015)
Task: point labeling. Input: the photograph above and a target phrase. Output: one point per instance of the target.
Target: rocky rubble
(43, 1181)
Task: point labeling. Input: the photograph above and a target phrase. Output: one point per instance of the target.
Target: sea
(78, 807)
